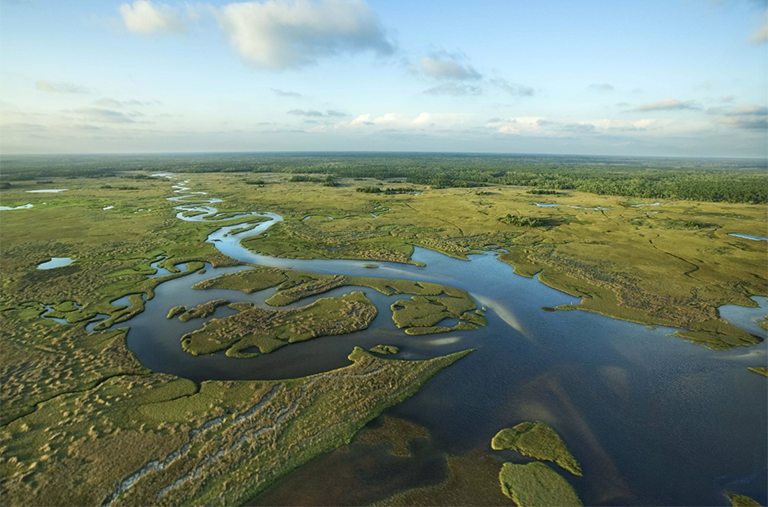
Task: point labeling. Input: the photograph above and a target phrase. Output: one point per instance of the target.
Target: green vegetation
(266, 428)
(248, 281)
(472, 480)
(647, 178)
(418, 315)
(176, 310)
(760, 370)
(270, 329)
(389, 191)
(461, 326)
(520, 221)
(536, 440)
(201, 311)
(717, 334)
(742, 500)
(395, 431)
(426, 311)
(385, 350)
(536, 485)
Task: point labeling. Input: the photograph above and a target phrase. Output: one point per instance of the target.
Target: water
(544, 205)
(652, 419)
(23, 206)
(47, 191)
(749, 236)
(56, 262)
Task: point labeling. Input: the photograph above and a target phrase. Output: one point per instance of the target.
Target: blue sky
(657, 78)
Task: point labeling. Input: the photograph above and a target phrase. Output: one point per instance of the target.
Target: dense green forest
(716, 180)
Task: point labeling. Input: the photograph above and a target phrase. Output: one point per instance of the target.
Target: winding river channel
(653, 419)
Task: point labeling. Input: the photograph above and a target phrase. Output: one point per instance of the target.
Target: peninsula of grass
(385, 350)
(202, 311)
(536, 485)
(418, 331)
(179, 443)
(270, 329)
(176, 310)
(536, 440)
(742, 500)
(761, 370)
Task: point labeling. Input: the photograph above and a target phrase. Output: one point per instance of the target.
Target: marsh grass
(536, 485)
(397, 432)
(539, 441)
(742, 500)
(255, 327)
(385, 350)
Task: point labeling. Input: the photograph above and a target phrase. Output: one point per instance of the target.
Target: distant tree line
(716, 180)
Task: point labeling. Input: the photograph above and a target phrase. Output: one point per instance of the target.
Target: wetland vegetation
(74, 395)
(539, 441)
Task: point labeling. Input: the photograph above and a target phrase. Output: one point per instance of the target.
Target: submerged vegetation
(536, 485)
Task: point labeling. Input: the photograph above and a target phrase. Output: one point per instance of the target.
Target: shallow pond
(749, 236)
(56, 262)
(47, 191)
(8, 208)
(653, 419)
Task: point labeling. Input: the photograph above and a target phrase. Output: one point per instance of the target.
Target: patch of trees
(521, 221)
(714, 180)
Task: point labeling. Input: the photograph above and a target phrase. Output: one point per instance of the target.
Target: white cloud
(284, 33)
(47, 86)
(511, 88)
(518, 125)
(403, 122)
(539, 126)
(761, 35)
(103, 115)
(144, 16)
(667, 104)
(448, 68)
(455, 89)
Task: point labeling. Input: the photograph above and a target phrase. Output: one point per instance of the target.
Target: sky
(684, 78)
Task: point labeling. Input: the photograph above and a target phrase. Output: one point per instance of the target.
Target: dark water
(653, 419)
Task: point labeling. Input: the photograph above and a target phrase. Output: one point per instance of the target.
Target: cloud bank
(668, 104)
(279, 34)
(146, 17)
(47, 86)
(448, 68)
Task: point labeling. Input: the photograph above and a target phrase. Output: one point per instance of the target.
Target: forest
(713, 180)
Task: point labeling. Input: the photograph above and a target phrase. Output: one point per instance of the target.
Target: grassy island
(271, 329)
(537, 440)
(201, 311)
(385, 350)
